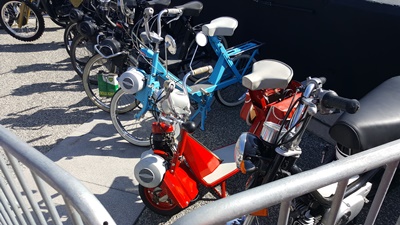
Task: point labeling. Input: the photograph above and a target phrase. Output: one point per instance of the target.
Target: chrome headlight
(247, 149)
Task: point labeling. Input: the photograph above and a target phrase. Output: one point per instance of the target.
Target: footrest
(243, 47)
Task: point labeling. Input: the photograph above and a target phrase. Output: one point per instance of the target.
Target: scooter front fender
(181, 185)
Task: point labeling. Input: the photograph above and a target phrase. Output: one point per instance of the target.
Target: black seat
(377, 122)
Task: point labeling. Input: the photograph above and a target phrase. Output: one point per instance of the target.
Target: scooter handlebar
(331, 100)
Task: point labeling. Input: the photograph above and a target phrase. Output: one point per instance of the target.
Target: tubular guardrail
(25, 198)
(279, 191)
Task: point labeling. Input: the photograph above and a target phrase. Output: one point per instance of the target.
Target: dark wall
(354, 43)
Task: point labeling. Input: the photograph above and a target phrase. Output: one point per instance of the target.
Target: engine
(150, 170)
(306, 210)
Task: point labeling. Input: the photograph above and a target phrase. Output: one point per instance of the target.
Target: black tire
(234, 94)
(82, 49)
(165, 207)
(95, 65)
(135, 131)
(31, 29)
(61, 23)
(69, 33)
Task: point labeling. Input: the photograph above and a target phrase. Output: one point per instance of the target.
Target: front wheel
(136, 131)
(21, 19)
(101, 93)
(158, 201)
(235, 94)
(69, 33)
(81, 50)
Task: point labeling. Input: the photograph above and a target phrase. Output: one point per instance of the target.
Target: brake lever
(175, 18)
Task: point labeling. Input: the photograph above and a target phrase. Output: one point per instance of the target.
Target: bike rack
(243, 47)
(25, 181)
(279, 192)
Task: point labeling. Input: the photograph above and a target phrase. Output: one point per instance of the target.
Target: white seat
(222, 26)
(268, 73)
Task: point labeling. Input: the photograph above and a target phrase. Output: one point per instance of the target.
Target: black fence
(354, 43)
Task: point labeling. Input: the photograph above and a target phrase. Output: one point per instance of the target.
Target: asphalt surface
(43, 102)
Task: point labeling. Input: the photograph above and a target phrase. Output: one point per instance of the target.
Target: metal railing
(26, 181)
(284, 190)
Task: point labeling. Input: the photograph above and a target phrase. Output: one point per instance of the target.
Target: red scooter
(269, 97)
(170, 172)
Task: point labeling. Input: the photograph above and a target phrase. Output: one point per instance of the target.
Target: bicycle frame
(202, 96)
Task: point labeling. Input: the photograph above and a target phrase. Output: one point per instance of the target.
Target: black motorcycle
(23, 19)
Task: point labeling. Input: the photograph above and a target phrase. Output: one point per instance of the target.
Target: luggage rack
(243, 47)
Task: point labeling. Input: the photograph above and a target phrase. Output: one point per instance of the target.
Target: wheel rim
(82, 52)
(153, 196)
(135, 131)
(10, 14)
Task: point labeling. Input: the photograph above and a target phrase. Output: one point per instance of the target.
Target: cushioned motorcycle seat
(376, 122)
(268, 73)
(222, 26)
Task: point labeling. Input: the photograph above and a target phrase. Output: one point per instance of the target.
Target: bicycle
(119, 59)
(143, 84)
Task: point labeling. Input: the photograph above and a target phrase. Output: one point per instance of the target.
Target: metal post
(381, 192)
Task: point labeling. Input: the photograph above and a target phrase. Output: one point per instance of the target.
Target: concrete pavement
(43, 102)
(96, 155)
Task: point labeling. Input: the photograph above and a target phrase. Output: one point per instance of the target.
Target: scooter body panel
(181, 185)
(225, 170)
(200, 159)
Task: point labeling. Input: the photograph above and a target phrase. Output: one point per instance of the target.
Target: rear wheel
(21, 19)
(157, 200)
(135, 131)
(235, 94)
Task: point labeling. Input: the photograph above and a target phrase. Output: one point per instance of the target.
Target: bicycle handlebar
(173, 11)
(331, 100)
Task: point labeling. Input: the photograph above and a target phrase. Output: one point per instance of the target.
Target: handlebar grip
(332, 100)
(174, 11)
(201, 70)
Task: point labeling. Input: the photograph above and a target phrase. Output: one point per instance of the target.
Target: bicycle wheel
(135, 131)
(21, 19)
(96, 65)
(82, 49)
(69, 33)
(234, 94)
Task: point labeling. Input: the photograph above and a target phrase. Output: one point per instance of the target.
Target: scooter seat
(375, 123)
(222, 26)
(268, 73)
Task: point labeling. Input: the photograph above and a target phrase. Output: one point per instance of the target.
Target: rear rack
(244, 47)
